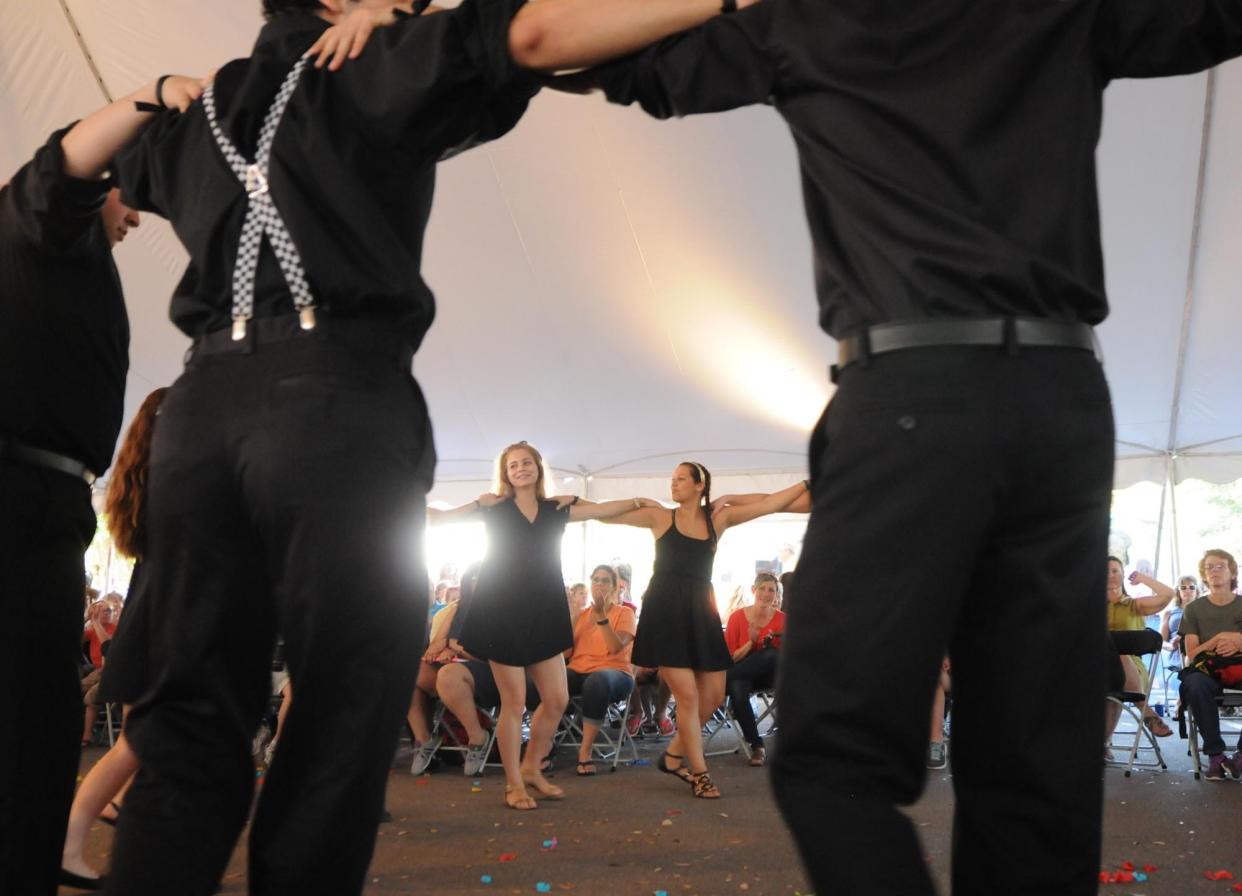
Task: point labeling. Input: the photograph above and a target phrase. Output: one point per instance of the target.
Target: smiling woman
(518, 619)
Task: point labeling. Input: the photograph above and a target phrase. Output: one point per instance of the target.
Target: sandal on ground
(758, 755)
(586, 768)
(704, 787)
(522, 802)
(679, 772)
(111, 819)
(542, 786)
(1156, 726)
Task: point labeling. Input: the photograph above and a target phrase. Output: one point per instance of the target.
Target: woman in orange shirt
(599, 662)
(753, 636)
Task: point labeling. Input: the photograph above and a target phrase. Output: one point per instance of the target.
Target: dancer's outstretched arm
(777, 502)
(548, 35)
(800, 504)
(608, 511)
(465, 511)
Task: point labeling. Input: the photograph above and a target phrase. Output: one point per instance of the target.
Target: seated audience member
(1126, 613)
(649, 705)
(1170, 620)
(577, 596)
(438, 602)
(436, 655)
(101, 620)
(936, 755)
(1211, 630)
(599, 667)
(753, 636)
(625, 592)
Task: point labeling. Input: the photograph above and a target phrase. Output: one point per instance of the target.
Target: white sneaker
(268, 752)
(476, 758)
(423, 755)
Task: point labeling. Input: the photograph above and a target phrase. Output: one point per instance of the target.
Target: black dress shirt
(64, 336)
(947, 147)
(353, 163)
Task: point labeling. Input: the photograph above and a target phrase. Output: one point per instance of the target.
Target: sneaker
(633, 726)
(667, 728)
(1233, 766)
(476, 758)
(936, 758)
(268, 752)
(1216, 768)
(423, 754)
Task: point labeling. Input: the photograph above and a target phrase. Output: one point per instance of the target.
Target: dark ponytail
(700, 473)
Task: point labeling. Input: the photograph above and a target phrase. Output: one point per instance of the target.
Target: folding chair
(612, 738)
(723, 718)
(1131, 742)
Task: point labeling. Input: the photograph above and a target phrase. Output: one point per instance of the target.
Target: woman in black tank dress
(679, 627)
(518, 619)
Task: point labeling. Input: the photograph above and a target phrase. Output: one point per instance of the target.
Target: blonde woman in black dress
(679, 628)
(518, 619)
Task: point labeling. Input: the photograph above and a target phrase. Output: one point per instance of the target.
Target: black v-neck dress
(679, 625)
(519, 614)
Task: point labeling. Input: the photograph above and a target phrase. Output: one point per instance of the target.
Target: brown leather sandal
(679, 772)
(704, 787)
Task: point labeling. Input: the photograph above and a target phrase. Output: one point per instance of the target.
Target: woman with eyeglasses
(599, 664)
(1129, 614)
(1170, 621)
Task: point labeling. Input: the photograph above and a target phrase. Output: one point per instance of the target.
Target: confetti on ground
(1237, 888)
(660, 893)
(485, 879)
(673, 813)
(550, 844)
(1127, 866)
(542, 887)
(421, 781)
(641, 762)
(668, 823)
(508, 856)
(1150, 868)
(1218, 875)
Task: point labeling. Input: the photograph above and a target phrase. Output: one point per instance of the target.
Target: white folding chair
(1128, 743)
(764, 701)
(610, 741)
(1230, 726)
(451, 743)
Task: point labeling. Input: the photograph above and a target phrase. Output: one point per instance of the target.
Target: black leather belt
(1010, 332)
(11, 449)
(380, 335)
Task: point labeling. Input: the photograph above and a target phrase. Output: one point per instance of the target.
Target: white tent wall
(611, 287)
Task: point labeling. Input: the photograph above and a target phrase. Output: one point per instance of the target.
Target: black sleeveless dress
(519, 614)
(679, 625)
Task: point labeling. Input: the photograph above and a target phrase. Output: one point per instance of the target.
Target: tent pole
(586, 493)
(1173, 531)
(1164, 493)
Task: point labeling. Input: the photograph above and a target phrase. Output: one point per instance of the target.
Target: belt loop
(1011, 337)
(864, 346)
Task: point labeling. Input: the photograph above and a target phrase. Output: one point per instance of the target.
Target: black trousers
(969, 489)
(287, 492)
(46, 523)
(756, 672)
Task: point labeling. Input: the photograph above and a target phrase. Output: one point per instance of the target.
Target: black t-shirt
(353, 163)
(64, 336)
(947, 147)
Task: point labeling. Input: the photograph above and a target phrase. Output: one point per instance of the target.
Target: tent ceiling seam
(1193, 261)
(86, 51)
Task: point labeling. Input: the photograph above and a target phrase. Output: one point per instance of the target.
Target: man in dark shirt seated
(292, 457)
(947, 160)
(64, 341)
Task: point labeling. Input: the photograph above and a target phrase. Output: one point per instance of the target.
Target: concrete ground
(639, 832)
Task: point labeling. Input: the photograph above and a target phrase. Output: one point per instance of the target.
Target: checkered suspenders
(262, 216)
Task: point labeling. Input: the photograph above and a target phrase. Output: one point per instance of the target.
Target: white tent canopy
(625, 293)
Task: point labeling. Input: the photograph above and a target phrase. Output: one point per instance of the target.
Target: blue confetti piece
(485, 879)
(1140, 876)
(644, 762)
(661, 893)
(543, 888)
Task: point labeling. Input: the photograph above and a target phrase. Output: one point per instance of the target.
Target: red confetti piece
(508, 856)
(1150, 868)
(1218, 875)
(1237, 888)
(1103, 877)
(1127, 866)
(673, 813)
(1125, 877)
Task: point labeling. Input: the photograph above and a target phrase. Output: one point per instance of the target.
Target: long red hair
(126, 500)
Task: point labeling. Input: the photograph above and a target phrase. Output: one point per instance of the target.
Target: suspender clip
(239, 329)
(306, 317)
(256, 181)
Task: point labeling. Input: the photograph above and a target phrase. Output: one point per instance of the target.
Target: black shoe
(78, 882)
